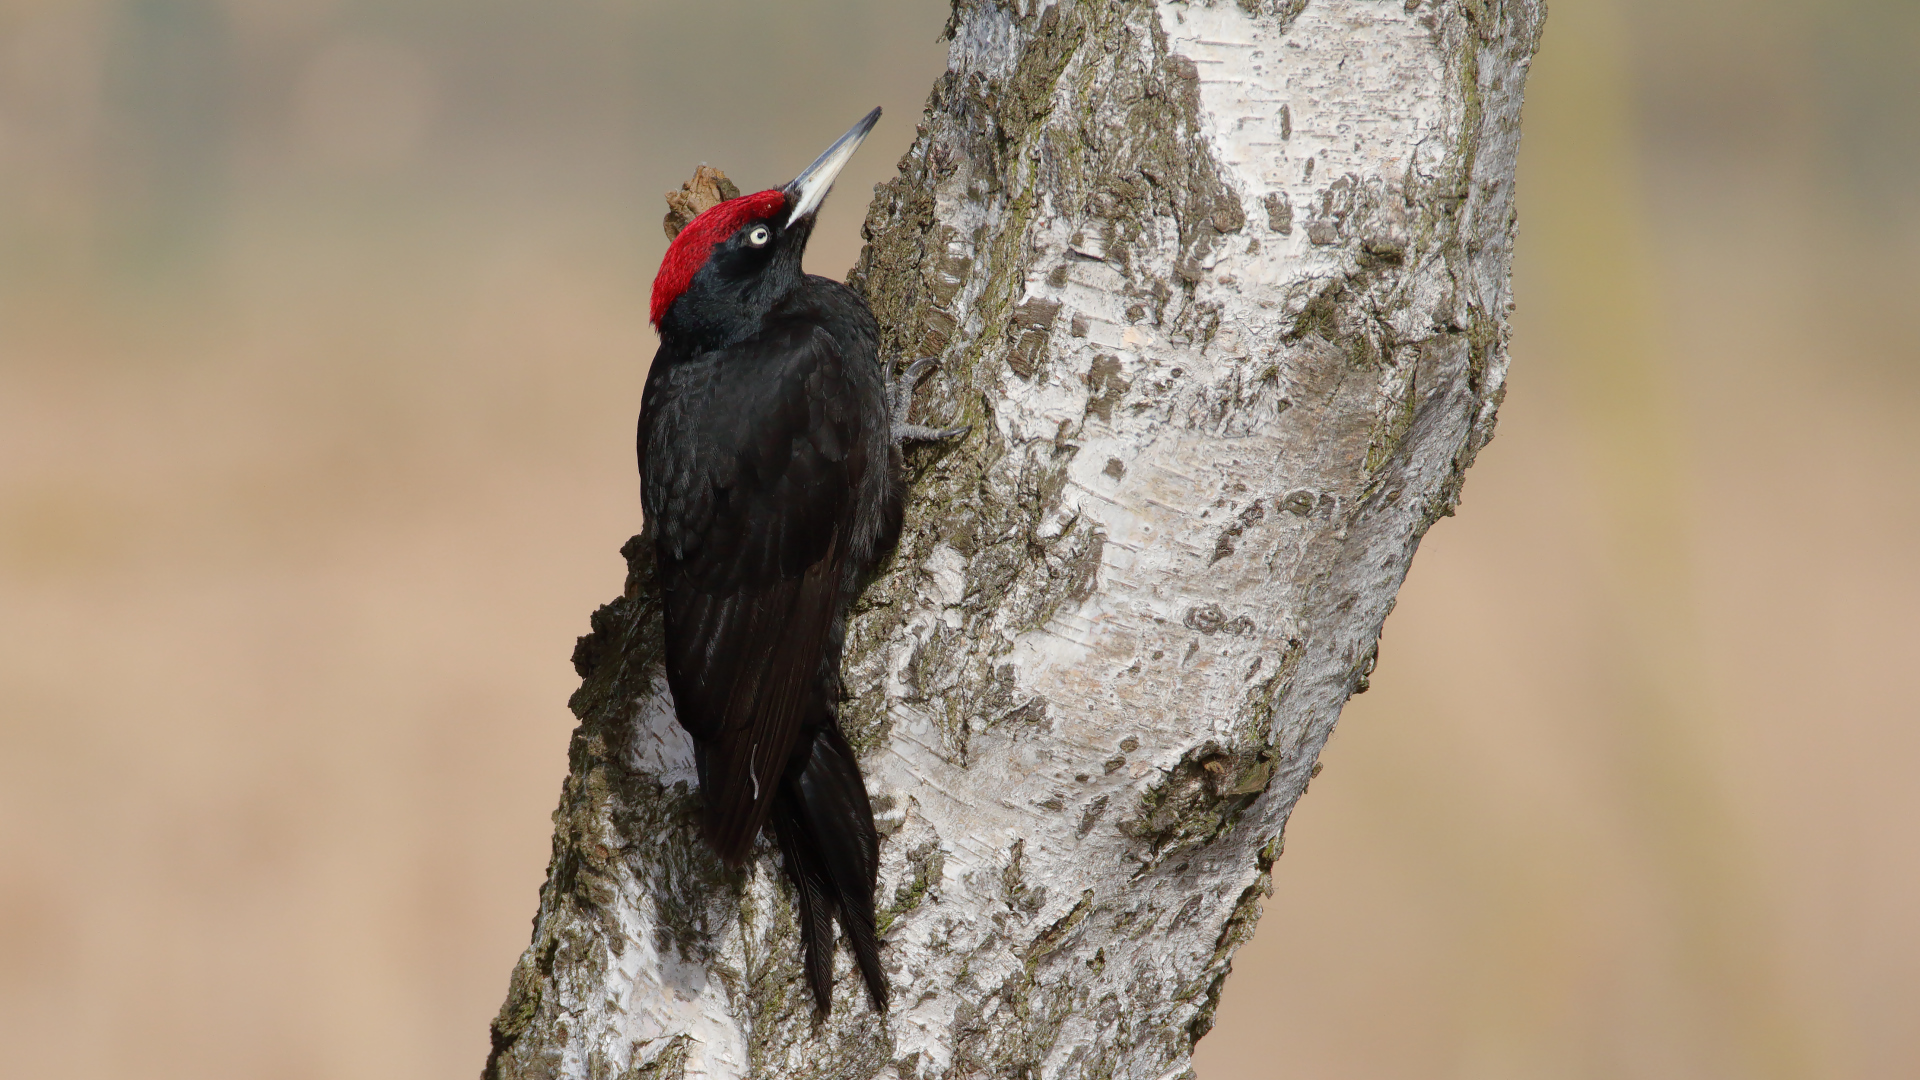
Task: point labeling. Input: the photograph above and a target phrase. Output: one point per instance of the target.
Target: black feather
(824, 797)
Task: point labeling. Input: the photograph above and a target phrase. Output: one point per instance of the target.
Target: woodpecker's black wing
(750, 459)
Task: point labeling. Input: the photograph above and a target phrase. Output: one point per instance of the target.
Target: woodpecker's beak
(809, 189)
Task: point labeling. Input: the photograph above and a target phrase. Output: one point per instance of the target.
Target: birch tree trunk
(1223, 290)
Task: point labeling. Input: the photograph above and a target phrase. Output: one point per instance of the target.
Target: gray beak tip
(809, 189)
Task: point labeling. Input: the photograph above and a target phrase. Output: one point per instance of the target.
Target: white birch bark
(1223, 290)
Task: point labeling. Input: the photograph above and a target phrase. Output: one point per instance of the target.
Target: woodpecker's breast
(753, 457)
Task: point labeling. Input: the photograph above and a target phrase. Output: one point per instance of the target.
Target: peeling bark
(1223, 290)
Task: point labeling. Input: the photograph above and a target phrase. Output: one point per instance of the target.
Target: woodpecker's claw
(900, 393)
(920, 433)
(900, 396)
(923, 363)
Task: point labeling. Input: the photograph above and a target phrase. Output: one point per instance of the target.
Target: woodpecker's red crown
(800, 199)
(689, 250)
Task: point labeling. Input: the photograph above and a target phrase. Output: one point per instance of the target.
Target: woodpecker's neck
(699, 322)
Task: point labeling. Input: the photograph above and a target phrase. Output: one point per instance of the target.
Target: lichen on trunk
(1221, 289)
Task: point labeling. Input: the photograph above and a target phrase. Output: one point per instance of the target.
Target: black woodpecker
(771, 483)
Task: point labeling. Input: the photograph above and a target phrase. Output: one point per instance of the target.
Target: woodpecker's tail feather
(824, 824)
(812, 894)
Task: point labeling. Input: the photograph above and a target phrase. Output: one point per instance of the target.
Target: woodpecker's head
(732, 263)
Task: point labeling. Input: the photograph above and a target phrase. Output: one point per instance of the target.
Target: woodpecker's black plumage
(771, 486)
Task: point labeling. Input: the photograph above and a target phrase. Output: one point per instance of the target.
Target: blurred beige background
(322, 328)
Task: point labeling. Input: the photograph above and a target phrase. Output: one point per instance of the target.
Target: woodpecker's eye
(758, 236)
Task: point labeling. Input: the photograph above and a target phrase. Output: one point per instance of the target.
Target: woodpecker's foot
(900, 397)
(900, 392)
(903, 433)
